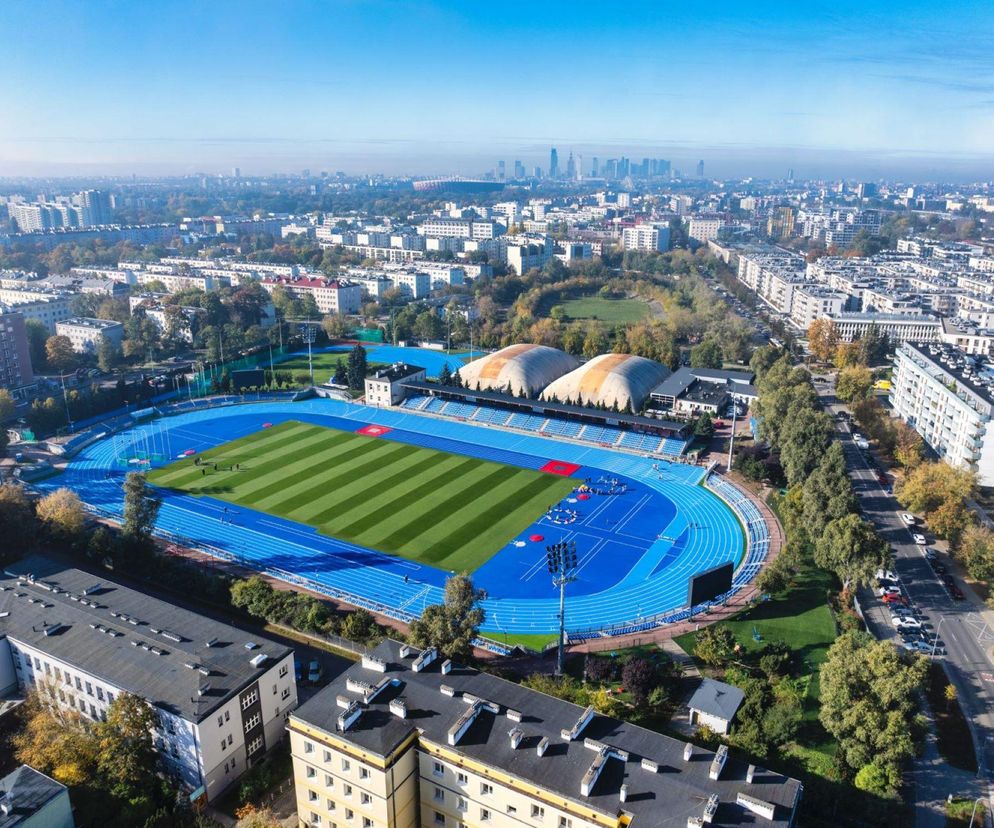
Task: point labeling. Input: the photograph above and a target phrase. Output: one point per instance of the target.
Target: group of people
(561, 515)
(603, 486)
(205, 465)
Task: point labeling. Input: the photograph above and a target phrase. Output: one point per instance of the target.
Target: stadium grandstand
(618, 381)
(521, 370)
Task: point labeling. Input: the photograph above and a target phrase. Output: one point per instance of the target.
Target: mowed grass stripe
(327, 484)
(303, 441)
(373, 519)
(444, 507)
(374, 486)
(515, 512)
(283, 471)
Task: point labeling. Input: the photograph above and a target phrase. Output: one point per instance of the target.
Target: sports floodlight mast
(310, 333)
(560, 558)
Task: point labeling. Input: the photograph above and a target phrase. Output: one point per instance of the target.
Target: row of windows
(346, 763)
(486, 789)
(364, 798)
(315, 819)
(65, 677)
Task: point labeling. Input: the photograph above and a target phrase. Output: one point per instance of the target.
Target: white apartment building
(646, 237)
(222, 697)
(948, 398)
(405, 738)
(414, 283)
(330, 295)
(704, 228)
(49, 308)
(86, 334)
(174, 282)
(469, 228)
(811, 302)
(897, 327)
(527, 252)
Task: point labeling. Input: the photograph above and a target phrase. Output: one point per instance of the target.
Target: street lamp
(935, 639)
(561, 561)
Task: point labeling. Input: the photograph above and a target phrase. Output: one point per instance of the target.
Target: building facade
(86, 335)
(15, 356)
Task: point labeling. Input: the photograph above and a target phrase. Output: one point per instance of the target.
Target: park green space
(444, 510)
(605, 309)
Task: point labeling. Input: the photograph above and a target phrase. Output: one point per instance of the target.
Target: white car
(917, 646)
(888, 590)
(919, 539)
(886, 575)
(911, 520)
(906, 623)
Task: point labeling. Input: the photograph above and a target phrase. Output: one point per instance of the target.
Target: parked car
(909, 519)
(298, 670)
(919, 539)
(900, 610)
(938, 567)
(956, 593)
(929, 553)
(948, 580)
(886, 575)
(314, 671)
(907, 623)
(917, 647)
(894, 598)
(884, 591)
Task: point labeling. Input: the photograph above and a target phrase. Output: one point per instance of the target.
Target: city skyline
(882, 91)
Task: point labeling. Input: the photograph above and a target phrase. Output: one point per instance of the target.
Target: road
(961, 625)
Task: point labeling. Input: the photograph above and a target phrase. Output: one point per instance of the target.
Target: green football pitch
(446, 510)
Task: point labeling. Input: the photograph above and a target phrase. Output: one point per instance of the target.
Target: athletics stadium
(377, 506)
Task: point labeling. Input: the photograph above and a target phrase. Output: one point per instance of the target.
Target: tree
(62, 512)
(939, 493)
(707, 355)
(356, 370)
(37, 339)
(909, 448)
(109, 355)
(60, 354)
(804, 437)
(714, 644)
(827, 493)
(976, 549)
(853, 383)
(141, 508)
(445, 375)
(823, 339)
(56, 740)
(125, 755)
(7, 406)
(359, 625)
(452, 626)
(851, 548)
(869, 704)
(704, 427)
(335, 326)
(17, 519)
(638, 677)
(341, 375)
(252, 817)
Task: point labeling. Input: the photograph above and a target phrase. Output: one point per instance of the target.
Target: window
(511, 809)
(252, 721)
(462, 778)
(439, 794)
(485, 815)
(310, 773)
(79, 683)
(462, 804)
(330, 804)
(224, 744)
(439, 818)
(486, 788)
(347, 790)
(230, 738)
(254, 745)
(312, 796)
(93, 712)
(225, 767)
(274, 689)
(308, 747)
(365, 798)
(89, 689)
(326, 756)
(349, 814)
(82, 705)
(285, 694)
(283, 670)
(110, 697)
(220, 721)
(227, 715)
(438, 769)
(363, 772)
(100, 693)
(328, 781)
(367, 822)
(315, 818)
(346, 765)
(538, 812)
(250, 698)
(68, 679)
(565, 823)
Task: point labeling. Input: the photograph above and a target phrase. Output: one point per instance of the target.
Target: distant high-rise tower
(790, 175)
(571, 167)
(553, 163)
(501, 170)
(579, 168)
(236, 172)
(700, 169)
(593, 168)
(519, 170)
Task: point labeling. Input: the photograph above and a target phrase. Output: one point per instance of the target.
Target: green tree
(704, 427)
(356, 369)
(62, 512)
(827, 493)
(7, 405)
(452, 626)
(341, 375)
(126, 757)
(851, 548)
(853, 383)
(445, 375)
(59, 353)
(141, 508)
(714, 644)
(37, 339)
(109, 355)
(17, 520)
(335, 326)
(804, 438)
(708, 354)
(976, 550)
(869, 704)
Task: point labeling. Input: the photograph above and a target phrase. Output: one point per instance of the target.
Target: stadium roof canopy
(519, 369)
(613, 380)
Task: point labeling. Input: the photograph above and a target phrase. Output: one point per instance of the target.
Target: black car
(938, 568)
(948, 580)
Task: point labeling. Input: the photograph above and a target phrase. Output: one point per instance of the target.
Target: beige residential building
(405, 739)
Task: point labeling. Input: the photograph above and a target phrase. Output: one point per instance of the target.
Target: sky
(859, 89)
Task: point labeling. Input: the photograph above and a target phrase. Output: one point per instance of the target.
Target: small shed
(715, 704)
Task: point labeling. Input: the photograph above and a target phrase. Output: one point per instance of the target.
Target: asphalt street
(962, 626)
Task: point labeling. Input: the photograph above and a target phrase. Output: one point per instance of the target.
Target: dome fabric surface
(518, 368)
(612, 380)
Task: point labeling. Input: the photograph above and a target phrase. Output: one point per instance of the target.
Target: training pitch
(447, 510)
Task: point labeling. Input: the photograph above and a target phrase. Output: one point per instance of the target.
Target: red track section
(374, 430)
(559, 467)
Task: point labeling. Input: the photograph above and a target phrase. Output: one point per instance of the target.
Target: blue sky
(751, 87)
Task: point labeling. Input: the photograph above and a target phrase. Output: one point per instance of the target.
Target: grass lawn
(611, 311)
(324, 365)
(800, 618)
(444, 510)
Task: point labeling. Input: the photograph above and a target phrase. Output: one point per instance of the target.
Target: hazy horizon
(860, 90)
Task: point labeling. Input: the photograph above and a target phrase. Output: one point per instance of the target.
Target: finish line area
(642, 526)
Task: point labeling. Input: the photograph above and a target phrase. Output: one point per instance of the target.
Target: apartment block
(15, 356)
(406, 738)
(221, 696)
(330, 295)
(42, 304)
(948, 398)
(646, 237)
(87, 334)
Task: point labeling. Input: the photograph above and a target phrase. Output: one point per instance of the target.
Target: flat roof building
(87, 334)
(407, 738)
(222, 696)
(386, 386)
(30, 799)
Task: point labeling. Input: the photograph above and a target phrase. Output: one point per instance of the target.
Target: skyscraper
(700, 169)
(501, 170)
(593, 168)
(553, 163)
(96, 207)
(571, 167)
(519, 170)
(790, 175)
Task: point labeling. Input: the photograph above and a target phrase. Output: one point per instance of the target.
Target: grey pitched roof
(717, 699)
(151, 648)
(29, 791)
(662, 797)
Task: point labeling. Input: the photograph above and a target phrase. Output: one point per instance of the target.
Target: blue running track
(636, 549)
